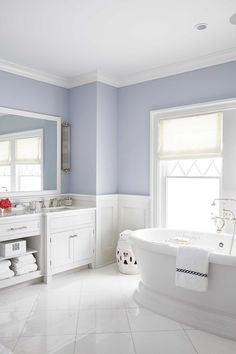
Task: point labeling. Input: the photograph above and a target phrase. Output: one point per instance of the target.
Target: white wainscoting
(133, 212)
(114, 214)
(106, 229)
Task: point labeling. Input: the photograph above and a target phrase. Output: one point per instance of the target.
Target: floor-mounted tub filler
(213, 310)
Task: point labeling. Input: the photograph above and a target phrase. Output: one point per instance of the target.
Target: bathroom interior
(117, 177)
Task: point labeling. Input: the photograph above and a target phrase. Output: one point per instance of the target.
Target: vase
(5, 211)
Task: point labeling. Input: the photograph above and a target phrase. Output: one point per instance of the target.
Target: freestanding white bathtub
(213, 310)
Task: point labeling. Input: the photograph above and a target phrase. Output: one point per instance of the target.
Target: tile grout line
(134, 346)
(78, 314)
(26, 319)
(185, 331)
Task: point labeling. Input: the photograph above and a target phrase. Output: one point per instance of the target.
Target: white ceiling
(125, 40)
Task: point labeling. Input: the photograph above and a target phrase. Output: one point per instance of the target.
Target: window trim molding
(174, 112)
(34, 115)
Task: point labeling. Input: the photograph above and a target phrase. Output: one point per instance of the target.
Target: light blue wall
(106, 139)
(93, 116)
(31, 95)
(15, 124)
(135, 103)
(83, 116)
(92, 110)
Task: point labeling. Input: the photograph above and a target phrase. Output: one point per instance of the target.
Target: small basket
(125, 257)
(12, 248)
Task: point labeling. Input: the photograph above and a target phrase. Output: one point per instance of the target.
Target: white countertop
(23, 212)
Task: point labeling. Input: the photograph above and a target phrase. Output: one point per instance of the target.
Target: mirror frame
(34, 115)
(174, 112)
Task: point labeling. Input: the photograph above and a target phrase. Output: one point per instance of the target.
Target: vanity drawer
(19, 228)
(71, 221)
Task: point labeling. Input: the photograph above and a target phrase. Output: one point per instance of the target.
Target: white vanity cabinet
(70, 240)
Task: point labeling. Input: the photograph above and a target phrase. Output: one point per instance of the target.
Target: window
(21, 161)
(189, 164)
(190, 186)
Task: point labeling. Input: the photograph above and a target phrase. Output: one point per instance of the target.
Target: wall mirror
(30, 145)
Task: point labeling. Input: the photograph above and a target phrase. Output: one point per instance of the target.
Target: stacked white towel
(24, 264)
(192, 268)
(5, 271)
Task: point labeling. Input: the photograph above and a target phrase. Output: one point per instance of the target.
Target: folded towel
(17, 266)
(26, 269)
(24, 263)
(192, 268)
(4, 266)
(6, 275)
(27, 259)
(4, 263)
(4, 270)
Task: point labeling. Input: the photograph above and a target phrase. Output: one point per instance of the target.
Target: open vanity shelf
(17, 279)
(27, 227)
(28, 251)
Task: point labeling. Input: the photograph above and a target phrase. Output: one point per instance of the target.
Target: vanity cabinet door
(62, 252)
(83, 244)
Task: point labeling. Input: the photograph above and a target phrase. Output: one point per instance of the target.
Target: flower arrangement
(5, 203)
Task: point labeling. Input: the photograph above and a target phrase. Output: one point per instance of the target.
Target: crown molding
(180, 67)
(97, 76)
(94, 76)
(107, 80)
(30, 73)
(82, 79)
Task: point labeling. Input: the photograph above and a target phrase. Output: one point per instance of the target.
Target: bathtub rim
(138, 240)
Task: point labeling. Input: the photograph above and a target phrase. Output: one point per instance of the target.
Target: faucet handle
(42, 203)
(219, 223)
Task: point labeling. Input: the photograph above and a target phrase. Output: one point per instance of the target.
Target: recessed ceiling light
(232, 19)
(201, 26)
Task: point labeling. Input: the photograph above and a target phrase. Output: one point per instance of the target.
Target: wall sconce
(65, 147)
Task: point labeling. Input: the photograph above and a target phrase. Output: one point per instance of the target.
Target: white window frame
(157, 189)
(12, 137)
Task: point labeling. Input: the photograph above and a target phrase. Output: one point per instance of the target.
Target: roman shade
(5, 155)
(191, 137)
(28, 150)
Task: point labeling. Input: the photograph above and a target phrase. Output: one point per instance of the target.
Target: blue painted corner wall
(110, 126)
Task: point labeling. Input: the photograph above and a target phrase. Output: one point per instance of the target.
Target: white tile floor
(92, 312)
